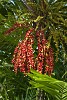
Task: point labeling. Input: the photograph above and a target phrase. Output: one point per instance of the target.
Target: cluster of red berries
(16, 25)
(23, 57)
(40, 57)
(45, 58)
(49, 59)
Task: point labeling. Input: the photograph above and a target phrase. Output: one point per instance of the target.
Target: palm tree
(49, 16)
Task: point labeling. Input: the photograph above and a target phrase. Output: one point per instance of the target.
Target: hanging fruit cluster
(16, 25)
(23, 57)
(45, 58)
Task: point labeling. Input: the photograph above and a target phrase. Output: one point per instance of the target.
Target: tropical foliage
(54, 87)
(16, 18)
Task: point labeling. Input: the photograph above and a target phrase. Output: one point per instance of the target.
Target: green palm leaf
(54, 87)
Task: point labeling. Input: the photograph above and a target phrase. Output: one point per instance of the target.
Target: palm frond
(54, 87)
(30, 94)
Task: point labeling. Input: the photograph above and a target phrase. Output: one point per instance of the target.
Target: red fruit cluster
(23, 57)
(16, 25)
(40, 57)
(49, 61)
(45, 58)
